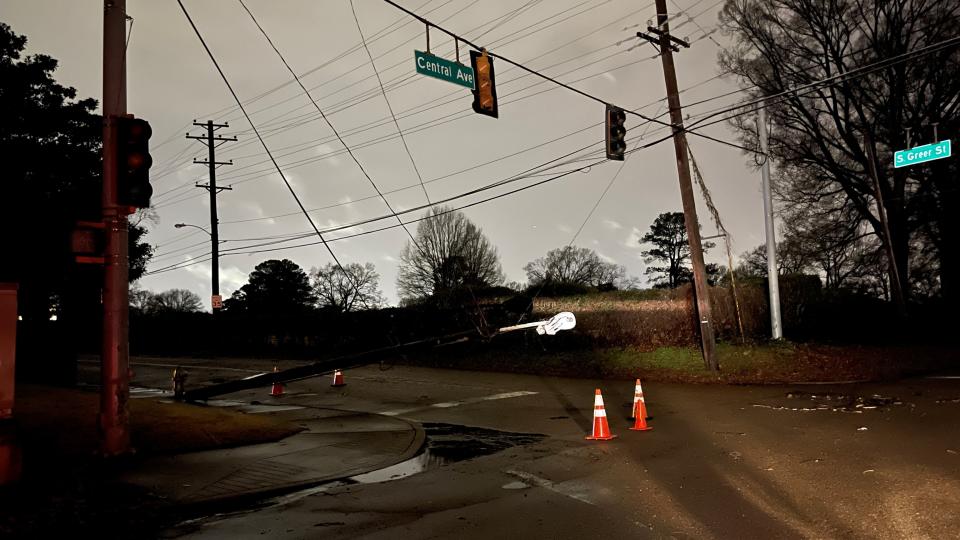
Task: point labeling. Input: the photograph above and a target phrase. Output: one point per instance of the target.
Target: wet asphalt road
(847, 461)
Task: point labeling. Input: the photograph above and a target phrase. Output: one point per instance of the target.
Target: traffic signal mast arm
(531, 71)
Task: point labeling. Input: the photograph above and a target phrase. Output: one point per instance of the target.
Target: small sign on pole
(216, 301)
(443, 69)
(921, 154)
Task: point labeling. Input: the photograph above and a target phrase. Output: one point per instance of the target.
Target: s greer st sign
(921, 154)
(445, 70)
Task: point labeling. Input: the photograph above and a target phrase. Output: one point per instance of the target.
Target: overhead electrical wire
(332, 128)
(373, 65)
(780, 96)
(927, 50)
(265, 147)
(410, 79)
(339, 56)
(414, 129)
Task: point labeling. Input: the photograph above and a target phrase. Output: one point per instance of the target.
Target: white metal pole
(776, 326)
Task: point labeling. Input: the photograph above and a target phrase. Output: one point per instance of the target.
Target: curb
(231, 500)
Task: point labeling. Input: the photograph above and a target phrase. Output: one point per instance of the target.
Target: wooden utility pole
(667, 44)
(211, 141)
(114, 419)
(882, 214)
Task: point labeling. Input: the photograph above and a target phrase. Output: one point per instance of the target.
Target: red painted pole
(114, 420)
(8, 347)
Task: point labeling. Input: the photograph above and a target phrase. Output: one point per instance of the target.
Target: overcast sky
(171, 82)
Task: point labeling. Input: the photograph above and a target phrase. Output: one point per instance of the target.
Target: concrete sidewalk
(335, 444)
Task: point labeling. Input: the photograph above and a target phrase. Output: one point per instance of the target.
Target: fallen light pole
(557, 323)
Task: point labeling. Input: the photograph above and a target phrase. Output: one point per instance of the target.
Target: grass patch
(64, 421)
(767, 363)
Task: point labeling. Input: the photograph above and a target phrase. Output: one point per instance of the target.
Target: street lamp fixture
(215, 299)
(182, 225)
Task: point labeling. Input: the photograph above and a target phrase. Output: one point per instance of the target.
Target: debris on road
(835, 402)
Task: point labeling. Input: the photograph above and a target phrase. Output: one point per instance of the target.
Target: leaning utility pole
(773, 275)
(666, 45)
(113, 422)
(211, 140)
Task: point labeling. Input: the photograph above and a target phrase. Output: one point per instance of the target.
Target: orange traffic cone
(338, 378)
(601, 429)
(638, 400)
(639, 410)
(277, 389)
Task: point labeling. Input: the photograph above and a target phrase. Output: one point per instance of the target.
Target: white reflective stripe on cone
(599, 413)
(598, 400)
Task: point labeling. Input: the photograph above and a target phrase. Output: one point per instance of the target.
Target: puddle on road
(450, 443)
(834, 402)
(445, 443)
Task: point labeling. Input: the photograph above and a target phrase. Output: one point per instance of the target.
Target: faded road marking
(567, 491)
(468, 401)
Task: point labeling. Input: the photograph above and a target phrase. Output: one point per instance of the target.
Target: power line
(339, 56)
(327, 120)
(373, 65)
(552, 79)
(411, 79)
(421, 127)
(267, 149)
(387, 227)
(354, 99)
(899, 58)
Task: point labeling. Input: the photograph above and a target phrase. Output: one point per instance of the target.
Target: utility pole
(113, 422)
(882, 214)
(773, 273)
(667, 44)
(213, 141)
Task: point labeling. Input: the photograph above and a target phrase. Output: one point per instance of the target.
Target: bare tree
(139, 298)
(817, 135)
(174, 300)
(450, 252)
(571, 265)
(353, 288)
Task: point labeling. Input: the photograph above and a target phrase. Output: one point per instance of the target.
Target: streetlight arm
(182, 225)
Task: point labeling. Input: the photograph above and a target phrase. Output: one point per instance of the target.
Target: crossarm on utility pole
(210, 140)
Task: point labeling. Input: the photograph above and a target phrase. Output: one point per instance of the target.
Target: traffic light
(485, 91)
(133, 162)
(615, 133)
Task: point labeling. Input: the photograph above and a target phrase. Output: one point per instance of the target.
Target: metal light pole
(773, 278)
(215, 274)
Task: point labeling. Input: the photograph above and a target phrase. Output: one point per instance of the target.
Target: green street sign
(445, 70)
(921, 154)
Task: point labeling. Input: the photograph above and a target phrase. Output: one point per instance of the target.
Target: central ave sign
(445, 70)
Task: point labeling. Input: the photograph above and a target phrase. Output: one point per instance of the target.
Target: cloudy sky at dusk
(589, 44)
